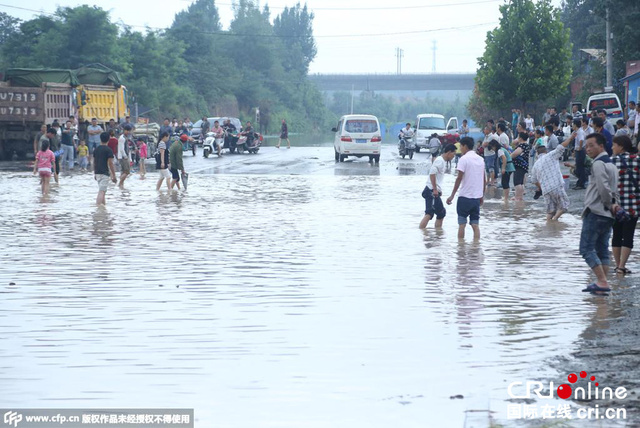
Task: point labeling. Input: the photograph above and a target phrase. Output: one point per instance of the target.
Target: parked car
(429, 124)
(195, 130)
(609, 102)
(357, 135)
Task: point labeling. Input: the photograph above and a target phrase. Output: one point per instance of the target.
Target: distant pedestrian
(94, 130)
(520, 156)
(432, 192)
(506, 167)
(503, 137)
(552, 139)
(36, 140)
(579, 139)
(628, 163)
(166, 126)
(471, 181)
(83, 156)
(622, 129)
(45, 159)
(464, 129)
(546, 175)
(602, 114)
(631, 115)
(68, 146)
(434, 146)
(175, 160)
(142, 149)
(284, 134)
(104, 171)
(546, 116)
(123, 156)
(113, 142)
(530, 123)
(575, 112)
(598, 127)
(162, 161)
(600, 206)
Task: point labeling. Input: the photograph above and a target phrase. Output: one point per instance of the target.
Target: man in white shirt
(631, 115)
(432, 193)
(471, 181)
(123, 157)
(503, 138)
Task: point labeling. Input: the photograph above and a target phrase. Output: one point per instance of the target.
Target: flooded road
(281, 290)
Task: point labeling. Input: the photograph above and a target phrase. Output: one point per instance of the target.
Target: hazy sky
(368, 29)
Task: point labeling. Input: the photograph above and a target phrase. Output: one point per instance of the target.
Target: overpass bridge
(396, 83)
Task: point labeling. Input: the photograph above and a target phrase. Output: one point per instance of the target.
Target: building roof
(599, 54)
(631, 77)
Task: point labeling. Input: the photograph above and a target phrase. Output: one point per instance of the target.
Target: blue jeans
(67, 155)
(594, 239)
(468, 207)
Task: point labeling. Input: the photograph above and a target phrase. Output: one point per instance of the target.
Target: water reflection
(309, 299)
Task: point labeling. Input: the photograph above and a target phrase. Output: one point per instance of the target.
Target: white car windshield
(431, 123)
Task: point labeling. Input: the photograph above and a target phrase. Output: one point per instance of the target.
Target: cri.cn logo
(565, 391)
(12, 418)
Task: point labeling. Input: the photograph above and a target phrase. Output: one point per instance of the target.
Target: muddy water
(275, 300)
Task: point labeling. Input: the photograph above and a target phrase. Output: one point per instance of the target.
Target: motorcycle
(211, 144)
(406, 146)
(250, 143)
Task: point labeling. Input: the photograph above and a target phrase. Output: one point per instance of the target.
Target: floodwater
(271, 297)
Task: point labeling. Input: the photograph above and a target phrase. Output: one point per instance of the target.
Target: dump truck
(30, 98)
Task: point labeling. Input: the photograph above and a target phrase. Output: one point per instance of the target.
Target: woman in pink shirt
(142, 146)
(44, 160)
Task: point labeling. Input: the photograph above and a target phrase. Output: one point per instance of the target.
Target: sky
(356, 36)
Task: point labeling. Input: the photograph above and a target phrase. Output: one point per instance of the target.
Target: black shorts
(518, 176)
(506, 177)
(175, 174)
(433, 205)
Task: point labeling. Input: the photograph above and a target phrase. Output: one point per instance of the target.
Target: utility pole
(433, 69)
(609, 86)
(352, 87)
(399, 55)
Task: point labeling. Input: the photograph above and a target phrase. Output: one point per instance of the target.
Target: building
(631, 82)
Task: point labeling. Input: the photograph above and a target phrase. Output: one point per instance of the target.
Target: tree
(295, 27)
(527, 58)
(8, 28)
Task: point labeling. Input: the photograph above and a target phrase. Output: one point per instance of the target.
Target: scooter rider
(249, 133)
(218, 134)
(406, 132)
(229, 130)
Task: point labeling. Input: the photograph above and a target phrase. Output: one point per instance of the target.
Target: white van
(357, 135)
(609, 102)
(429, 124)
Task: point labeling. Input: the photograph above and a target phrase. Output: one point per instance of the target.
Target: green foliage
(194, 68)
(527, 58)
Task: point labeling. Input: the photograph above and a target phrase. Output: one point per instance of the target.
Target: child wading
(103, 167)
(45, 159)
(432, 193)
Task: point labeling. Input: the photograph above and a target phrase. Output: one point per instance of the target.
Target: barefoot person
(432, 193)
(103, 167)
(175, 160)
(471, 181)
(600, 202)
(284, 134)
(162, 161)
(122, 155)
(546, 175)
(506, 167)
(628, 163)
(45, 159)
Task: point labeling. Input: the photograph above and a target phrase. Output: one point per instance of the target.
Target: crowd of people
(604, 160)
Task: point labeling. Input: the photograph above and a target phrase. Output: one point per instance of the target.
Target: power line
(229, 34)
(376, 8)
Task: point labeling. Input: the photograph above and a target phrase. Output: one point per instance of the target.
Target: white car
(357, 135)
(429, 124)
(609, 102)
